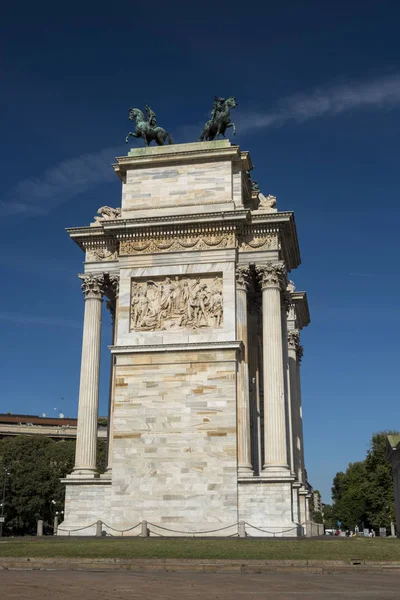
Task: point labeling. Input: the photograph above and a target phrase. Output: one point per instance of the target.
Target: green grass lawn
(241, 549)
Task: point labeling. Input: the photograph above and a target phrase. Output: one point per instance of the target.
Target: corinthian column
(245, 468)
(272, 279)
(293, 345)
(302, 473)
(86, 437)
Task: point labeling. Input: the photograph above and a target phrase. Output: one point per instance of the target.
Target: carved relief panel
(170, 303)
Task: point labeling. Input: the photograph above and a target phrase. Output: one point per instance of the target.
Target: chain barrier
(193, 532)
(155, 533)
(122, 531)
(69, 531)
(167, 529)
(271, 532)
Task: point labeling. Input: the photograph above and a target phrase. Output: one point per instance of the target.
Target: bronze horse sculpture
(147, 130)
(220, 118)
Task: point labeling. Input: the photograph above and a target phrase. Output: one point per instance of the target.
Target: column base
(83, 473)
(245, 472)
(275, 471)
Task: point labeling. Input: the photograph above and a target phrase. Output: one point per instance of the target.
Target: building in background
(56, 428)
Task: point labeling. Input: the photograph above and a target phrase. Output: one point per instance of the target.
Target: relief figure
(184, 302)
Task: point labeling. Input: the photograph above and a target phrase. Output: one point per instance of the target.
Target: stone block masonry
(175, 439)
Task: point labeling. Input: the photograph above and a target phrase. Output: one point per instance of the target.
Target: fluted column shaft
(300, 418)
(86, 437)
(275, 443)
(293, 344)
(254, 315)
(243, 399)
(288, 405)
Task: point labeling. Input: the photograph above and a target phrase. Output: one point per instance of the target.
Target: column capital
(92, 286)
(113, 285)
(243, 278)
(300, 353)
(272, 275)
(112, 293)
(294, 339)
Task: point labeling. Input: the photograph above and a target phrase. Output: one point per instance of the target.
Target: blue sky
(318, 86)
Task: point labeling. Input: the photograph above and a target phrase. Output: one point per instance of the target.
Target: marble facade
(205, 421)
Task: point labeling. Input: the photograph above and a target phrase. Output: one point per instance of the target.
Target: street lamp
(5, 473)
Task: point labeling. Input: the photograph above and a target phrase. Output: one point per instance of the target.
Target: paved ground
(38, 585)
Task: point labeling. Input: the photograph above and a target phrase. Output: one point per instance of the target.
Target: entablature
(240, 229)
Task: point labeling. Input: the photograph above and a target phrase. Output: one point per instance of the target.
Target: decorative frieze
(255, 242)
(92, 286)
(177, 244)
(165, 304)
(272, 275)
(102, 254)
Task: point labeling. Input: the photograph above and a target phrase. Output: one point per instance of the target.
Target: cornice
(185, 347)
(232, 153)
(240, 215)
(299, 299)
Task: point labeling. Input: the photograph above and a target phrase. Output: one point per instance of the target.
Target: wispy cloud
(38, 195)
(383, 92)
(21, 319)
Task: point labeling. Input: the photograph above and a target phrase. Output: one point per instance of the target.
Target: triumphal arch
(205, 422)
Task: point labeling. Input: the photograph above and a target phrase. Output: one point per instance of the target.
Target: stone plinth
(198, 393)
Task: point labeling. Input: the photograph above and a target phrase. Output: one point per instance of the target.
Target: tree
(364, 494)
(349, 494)
(33, 487)
(330, 519)
(380, 509)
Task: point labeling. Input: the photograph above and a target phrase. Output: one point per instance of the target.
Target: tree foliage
(363, 494)
(33, 488)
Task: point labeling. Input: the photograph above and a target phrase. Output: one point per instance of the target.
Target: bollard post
(144, 531)
(55, 525)
(242, 529)
(39, 529)
(99, 525)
